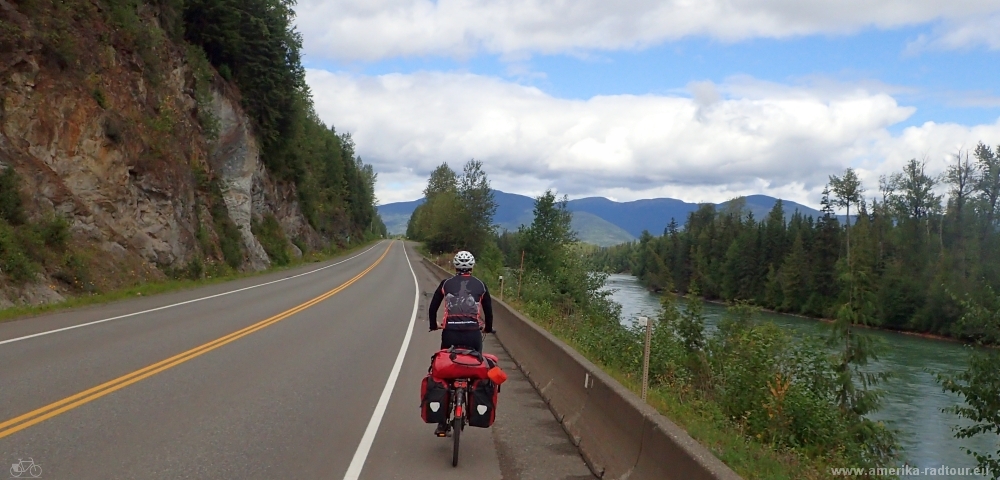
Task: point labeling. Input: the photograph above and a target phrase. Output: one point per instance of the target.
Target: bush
(54, 232)
(270, 235)
(13, 261)
(778, 390)
(11, 204)
(75, 272)
(195, 268)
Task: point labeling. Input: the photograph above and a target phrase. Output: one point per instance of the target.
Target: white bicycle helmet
(464, 260)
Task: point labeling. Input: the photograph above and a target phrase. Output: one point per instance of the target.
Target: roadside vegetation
(28, 247)
(174, 284)
(767, 404)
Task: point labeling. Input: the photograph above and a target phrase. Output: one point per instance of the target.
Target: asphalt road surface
(311, 373)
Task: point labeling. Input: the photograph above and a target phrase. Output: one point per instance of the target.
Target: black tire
(456, 429)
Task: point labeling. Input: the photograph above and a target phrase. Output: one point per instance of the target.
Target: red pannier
(455, 363)
(483, 395)
(434, 400)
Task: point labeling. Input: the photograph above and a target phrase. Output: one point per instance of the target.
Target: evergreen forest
(911, 254)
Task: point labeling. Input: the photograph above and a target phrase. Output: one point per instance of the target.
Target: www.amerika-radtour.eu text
(942, 471)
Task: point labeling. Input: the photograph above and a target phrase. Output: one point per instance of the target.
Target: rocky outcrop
(281, 200)
(115, 155)
(235, 157)
(58, 139)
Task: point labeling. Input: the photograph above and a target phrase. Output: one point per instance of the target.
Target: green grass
(155, 288)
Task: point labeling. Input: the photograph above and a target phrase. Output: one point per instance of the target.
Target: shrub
(13, 260)
(75, 272)
(11, 204)
(272, 238)
(195, 268)
(54, 232)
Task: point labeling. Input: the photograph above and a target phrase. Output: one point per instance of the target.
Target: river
(913, 401)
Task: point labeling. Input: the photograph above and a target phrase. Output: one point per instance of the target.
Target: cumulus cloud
(378, 29)
(739, 137)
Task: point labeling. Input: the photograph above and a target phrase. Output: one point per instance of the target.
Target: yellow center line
(36, 416)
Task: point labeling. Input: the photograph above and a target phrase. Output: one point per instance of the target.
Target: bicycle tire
(457, 433)
(457, 425)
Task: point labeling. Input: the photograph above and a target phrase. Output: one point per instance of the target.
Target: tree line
(254, 44)
(908, 256)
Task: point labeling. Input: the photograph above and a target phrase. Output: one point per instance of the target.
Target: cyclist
(462, 294)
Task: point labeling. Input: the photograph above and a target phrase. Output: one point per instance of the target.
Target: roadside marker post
(501, 288)
(519, 275)
(643, 321)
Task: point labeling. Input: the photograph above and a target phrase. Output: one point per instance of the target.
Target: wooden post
(520, 275)
(645, 354)
(501, 288)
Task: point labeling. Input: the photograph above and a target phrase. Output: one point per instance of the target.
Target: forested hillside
(254, 44)
(911, 257)
(163, 138)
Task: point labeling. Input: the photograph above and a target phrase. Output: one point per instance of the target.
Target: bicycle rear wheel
(456, 428)
(457, 423)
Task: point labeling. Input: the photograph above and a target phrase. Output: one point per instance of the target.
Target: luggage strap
(454, 352)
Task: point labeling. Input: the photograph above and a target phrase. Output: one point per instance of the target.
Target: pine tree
(795, 281)
(546, 241)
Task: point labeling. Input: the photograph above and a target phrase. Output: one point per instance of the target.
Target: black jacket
(462, 295)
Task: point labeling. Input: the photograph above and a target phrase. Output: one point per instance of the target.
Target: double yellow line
(17, 424)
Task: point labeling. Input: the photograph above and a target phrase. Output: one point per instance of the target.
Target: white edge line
(18, 339)
(358, 462)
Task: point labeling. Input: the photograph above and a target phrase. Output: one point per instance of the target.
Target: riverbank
(913, 398)
(931, 336)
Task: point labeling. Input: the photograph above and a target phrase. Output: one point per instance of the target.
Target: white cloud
(961, 34)
(778, 140)
(378, 29)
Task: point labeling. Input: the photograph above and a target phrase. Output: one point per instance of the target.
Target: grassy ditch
(166, 286)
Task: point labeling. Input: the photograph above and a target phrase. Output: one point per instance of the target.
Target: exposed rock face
(236, 158)
(281, 200)
(116, 156)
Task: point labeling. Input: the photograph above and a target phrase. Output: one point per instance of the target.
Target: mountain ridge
(599, 220)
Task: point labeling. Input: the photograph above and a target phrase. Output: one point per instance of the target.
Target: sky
(700, 100)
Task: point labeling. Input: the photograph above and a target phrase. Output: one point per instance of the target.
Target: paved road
(311, 373)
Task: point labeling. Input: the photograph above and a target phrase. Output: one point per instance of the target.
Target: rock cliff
(123, 156)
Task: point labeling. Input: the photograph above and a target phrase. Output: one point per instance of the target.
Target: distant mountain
(395, 216)
(634, 217)
(598, 231)
(597, 220)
